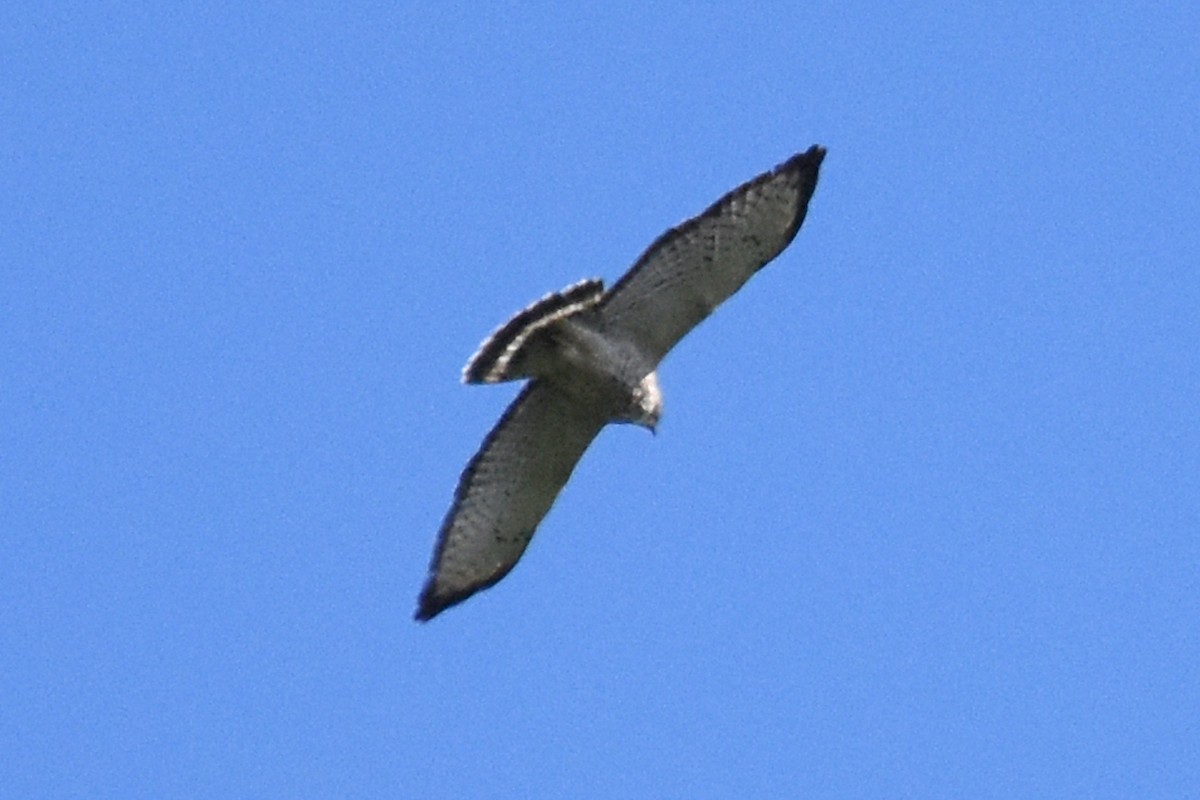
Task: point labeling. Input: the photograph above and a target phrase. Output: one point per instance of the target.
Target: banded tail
(510, 353)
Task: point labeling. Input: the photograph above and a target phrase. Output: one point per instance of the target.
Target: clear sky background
(923, 515)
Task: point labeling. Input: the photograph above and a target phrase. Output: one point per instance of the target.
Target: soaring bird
(589, 356)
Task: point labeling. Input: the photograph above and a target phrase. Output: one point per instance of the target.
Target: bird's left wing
(505, 491)
(695, 266)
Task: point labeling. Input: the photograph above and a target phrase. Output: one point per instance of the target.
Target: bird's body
(604, 371)
(591, 357)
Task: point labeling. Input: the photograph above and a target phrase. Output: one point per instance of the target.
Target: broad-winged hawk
(590, 357)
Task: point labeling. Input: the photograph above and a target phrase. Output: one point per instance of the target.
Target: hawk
(590, 357)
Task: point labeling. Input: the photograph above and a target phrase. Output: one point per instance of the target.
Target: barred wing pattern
(505, 491)
(511, 483)
(692, 268)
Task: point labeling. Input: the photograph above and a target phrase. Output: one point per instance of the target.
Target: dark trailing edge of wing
(806, 165)
(430, 604)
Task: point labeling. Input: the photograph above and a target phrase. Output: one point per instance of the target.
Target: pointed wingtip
(810, 159)
(424, 613)
(807, 162)
(428, 605)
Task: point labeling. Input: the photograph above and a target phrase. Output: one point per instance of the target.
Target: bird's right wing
(505, 491)
(694, 267)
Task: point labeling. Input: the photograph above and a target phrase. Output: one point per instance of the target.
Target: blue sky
(923, 515)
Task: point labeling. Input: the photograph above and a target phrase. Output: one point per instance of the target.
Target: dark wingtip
(805, 168)
(428, 605)
(807, 163)
(814, 154)
(432, 602)
(809, 160)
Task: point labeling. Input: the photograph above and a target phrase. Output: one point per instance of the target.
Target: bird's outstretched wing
(694, 267)
(505, 491)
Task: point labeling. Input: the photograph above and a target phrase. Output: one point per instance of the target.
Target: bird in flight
(589, 356)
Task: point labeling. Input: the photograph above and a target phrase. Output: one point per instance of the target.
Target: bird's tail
(510, 353)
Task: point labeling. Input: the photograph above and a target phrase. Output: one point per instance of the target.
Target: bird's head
(646, 406)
